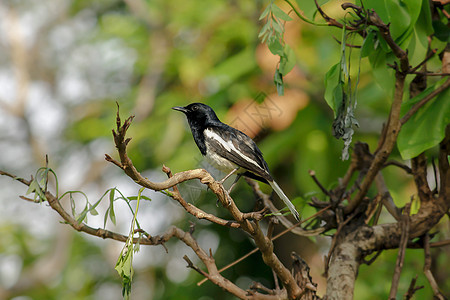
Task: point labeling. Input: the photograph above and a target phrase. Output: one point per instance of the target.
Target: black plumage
(229, 149)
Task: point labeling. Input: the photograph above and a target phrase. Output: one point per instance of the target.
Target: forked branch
(242, 220)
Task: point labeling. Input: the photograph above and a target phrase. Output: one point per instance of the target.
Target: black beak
(180, 108)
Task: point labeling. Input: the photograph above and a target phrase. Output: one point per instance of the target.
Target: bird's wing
(237, 147)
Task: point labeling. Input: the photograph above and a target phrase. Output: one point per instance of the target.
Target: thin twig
(281, 218)
(259, 286)
(440, 244)
(347, 44)
(412, 288)
(430, 74)
(402, 55)
(427, 58)
(405, 223)
(194, 267)
(30, 200)
(330, 21)
(398, 164)
(275, 280)
(372, 259)
(273, 239)
(373, 208)
(387, 200)
(22, 180)
(167, 170)
(424, 101)
(427, 268)
(299, 14)
(322, 188)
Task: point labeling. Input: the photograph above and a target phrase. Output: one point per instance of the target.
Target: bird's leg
(234, 183)
(223, 180)
(228, 175)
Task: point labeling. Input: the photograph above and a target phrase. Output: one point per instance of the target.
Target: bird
(228, 149)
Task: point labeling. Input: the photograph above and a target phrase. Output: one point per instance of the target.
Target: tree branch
(386, 144)
(419, 167)
(19, 179)
(264, 244)
(186, 237)
(424, 101)
(387, 200)
(412, 288)
(402, 55)
(356, 241)
(427, 269)
(444, 167)
(330, 21)
(398, 164)
(401, 252)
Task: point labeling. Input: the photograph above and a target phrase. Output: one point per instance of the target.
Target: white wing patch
(229, 147)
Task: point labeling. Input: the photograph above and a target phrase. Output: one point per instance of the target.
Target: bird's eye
(195, 107)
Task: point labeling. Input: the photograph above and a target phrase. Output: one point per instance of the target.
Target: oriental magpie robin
(229, 149)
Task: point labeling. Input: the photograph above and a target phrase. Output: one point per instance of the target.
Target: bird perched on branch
(229, 149)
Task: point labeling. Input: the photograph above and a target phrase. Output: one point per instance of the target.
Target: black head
(198, 114)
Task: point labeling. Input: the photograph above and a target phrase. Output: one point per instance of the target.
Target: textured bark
(354, 244)
(342, 272)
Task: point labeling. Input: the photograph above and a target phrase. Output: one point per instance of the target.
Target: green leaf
(382, 43)
(426, 128)
(124, 267)
(309, 7)
(112, 214)
(424, 22)
(280, 14)
(378, 6)
(278, 80)
(266, 11)
(368, 45)
(142, 197)
(277, 26)
(333, 87)
(72, 204)
(92, 210)
(124, 264)
(83, 215)
(275, 46)
(384, 76)
(418, 47)
(264, 29)
(403, 16)
(87, 207)
(43, 180)
(287, 61)
(33, 187)
(105, 218)
(441, 31)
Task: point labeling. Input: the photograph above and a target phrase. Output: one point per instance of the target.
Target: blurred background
(64, 64)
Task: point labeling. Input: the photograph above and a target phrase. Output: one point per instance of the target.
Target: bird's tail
(285, 199)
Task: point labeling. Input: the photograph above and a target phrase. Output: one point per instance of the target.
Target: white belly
(219, 162)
